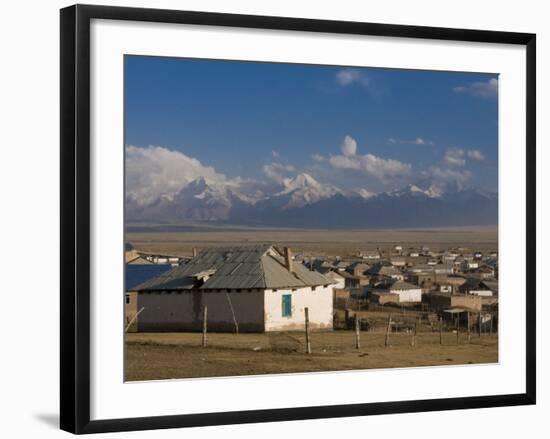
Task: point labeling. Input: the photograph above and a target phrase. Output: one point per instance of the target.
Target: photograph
(295, 218)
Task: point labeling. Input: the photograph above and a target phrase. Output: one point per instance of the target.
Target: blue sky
(376, 129)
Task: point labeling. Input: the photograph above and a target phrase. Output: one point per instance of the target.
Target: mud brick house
(245, 288)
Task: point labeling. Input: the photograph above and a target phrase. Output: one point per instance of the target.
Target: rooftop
(238, 267)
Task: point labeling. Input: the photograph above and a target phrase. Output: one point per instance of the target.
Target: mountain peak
(302, 180)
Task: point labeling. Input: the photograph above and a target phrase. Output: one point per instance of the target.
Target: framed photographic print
(268, 218)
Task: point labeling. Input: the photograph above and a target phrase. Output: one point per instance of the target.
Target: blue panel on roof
(137, 274)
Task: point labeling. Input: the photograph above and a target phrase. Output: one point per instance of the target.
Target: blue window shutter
(287, 305)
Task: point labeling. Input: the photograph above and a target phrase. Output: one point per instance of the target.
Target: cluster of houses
(451, 281)
(259, 288)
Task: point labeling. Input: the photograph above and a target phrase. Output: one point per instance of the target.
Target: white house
(372, 254)
(396, 291)
(338, 281)
(243, 288)
(407, 292)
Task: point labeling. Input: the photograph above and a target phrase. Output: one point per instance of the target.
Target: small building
(440, 301)
(395, 291)
(469, 264)
(357, 268)
(384, 297)
(479, 287)
(354, 282)
(370, 254)
(407, 292)
(443, 269)
(244, 289)
(423, 279)
(398, 261)
(380, 271)
(482, 272)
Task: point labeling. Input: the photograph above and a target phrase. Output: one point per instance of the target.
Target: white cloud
(370, 164)
(417, 141)
(446, 175)
(278, 171)
(318, 157)
(154, 171)
(347, 77)
(349, 146)
(475, 154)
(275, 154)
(455, 157)
(480, 88)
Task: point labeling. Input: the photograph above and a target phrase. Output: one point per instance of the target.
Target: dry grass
(180, 355)
(318, 242)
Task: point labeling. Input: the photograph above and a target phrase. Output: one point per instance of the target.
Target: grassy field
(151, 356)
(181, 240)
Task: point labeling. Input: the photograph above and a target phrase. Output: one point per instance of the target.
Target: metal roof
(137, 274)
(383, 270)
(237, 267)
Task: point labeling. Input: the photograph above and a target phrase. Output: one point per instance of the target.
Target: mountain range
(303, 202)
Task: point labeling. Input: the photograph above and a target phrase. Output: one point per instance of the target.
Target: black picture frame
(75, 217)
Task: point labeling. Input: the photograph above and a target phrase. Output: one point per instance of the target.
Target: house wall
(340, 282)
(383, 298)
(486, 293)
(408, 295)
(440, 301)
(130, 310)
(183, 311)
(472, 302)
(319, 302)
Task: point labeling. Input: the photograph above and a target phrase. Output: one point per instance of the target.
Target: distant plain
(181, 239)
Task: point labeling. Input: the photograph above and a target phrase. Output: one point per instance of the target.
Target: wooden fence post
(357, 332)
(133, 318)
(440, 330)
(413, 339)
(388, 329)
(479, 324)
(457, 327)
(468, 323)
(308, 342)
(204, 325)
(491, 325)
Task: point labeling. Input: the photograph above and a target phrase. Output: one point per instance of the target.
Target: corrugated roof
(383, 270)
(137, 274)
(237, 267)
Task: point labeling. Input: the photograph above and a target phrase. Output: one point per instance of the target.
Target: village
(263, 308)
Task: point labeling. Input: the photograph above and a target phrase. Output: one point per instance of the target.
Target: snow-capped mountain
(303, 190)
(305, 202)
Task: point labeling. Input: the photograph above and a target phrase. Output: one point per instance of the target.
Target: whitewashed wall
(319, 303)
(409, 295)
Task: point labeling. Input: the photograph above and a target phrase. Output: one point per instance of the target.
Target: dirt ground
(152, 356)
